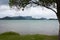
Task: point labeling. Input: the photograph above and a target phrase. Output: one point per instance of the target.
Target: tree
(58, 14)
(24, 3)
(44, 3)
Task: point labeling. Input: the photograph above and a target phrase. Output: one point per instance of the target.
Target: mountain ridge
(25, 18)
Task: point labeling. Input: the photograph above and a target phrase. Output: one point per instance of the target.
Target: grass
(16, 36)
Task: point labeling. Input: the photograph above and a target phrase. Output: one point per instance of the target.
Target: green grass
(16, 36)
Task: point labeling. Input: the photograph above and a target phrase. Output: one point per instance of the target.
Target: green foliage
(19, 3)
(9, 33)
(16, 36)
(47, 2)
(24, 3)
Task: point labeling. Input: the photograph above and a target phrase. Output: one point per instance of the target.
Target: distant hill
(13, 18)
(52, 19)
(24, 18)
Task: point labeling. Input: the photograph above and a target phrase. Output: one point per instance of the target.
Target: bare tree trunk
(59, 21)
(58, 14)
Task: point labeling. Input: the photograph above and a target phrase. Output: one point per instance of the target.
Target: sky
(36, 12)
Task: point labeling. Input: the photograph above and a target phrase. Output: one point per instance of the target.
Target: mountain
(16, 18)
(24, 18)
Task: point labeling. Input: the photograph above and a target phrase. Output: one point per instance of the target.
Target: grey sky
(38, 12)
(4, 2)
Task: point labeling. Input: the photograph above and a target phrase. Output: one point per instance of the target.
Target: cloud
(37, 12)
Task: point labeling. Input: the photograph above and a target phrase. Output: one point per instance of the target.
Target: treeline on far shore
(25, 18)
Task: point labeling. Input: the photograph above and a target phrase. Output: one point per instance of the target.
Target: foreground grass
(16, 36)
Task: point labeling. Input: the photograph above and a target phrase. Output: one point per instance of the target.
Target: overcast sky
(37, 11)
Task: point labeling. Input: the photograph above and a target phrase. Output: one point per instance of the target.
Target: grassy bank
(16, 36)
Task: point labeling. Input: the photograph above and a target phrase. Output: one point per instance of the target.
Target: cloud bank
(37, 12)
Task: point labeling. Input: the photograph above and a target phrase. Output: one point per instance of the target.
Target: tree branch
(45, 6)
(50, 9)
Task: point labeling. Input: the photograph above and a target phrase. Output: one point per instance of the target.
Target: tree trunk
(58, 14)
(59, 21)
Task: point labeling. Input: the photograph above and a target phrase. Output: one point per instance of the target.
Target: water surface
(50, 27)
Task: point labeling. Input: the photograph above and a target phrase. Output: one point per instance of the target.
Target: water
(49, 27)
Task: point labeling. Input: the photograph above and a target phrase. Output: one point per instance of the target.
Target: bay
(48, 27)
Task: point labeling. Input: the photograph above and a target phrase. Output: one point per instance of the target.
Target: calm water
(50, 27)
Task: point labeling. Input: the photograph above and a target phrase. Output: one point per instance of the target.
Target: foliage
(47, 3)
(24, 3)
(16, 36)
(19, 3)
